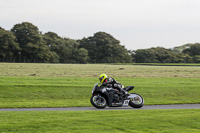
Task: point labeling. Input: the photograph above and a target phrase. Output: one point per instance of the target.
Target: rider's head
(102, 77)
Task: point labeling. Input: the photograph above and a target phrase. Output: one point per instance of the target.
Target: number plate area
(126, 102)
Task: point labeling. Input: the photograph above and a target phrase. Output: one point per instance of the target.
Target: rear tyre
(136, 101)
(98, 101)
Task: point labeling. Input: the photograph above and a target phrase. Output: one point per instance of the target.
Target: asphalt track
(145, 107)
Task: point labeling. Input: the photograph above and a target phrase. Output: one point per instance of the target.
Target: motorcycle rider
(110, 82)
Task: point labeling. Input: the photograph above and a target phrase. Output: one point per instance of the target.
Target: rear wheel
(98, 101)
(136, 101)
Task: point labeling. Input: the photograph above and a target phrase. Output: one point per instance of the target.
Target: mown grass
(132, 121)
(76, 91)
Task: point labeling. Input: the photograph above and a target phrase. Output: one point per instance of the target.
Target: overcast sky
(138, 24)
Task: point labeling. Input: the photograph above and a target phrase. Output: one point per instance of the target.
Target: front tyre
(136, 101)
(98, 101)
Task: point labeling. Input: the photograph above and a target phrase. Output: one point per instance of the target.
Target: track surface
(177, 106)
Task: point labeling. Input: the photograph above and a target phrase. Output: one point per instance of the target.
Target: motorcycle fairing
(128, 88)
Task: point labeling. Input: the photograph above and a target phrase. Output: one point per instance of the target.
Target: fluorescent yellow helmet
(102, 77)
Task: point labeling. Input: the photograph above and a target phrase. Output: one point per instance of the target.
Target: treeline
(25, 43)
(189, 53)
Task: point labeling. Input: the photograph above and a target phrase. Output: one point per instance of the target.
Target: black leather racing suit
(110, 82)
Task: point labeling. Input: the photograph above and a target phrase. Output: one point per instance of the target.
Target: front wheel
(98, 101)
(136, 101)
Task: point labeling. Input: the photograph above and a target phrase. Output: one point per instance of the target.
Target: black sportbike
(104, 96)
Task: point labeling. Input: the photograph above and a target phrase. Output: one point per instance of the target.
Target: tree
(145, 56)
(82, 55)
(196, 58)
(66, 50)
(180, 49)
(69, 52)
(9, 49)
(160, 55)
(52, 40)
(91, 47)
(54, 58)
(31, 42)
(104, 48)
(164, 55)
(193, 50)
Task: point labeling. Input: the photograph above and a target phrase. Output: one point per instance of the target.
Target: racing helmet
(102, 77)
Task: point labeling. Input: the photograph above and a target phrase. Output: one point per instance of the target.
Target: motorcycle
(104, 96)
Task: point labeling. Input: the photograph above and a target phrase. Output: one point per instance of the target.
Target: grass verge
(140, 121)
(17, 92)
(168, 64)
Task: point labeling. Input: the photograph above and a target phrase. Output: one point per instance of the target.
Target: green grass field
(76, 91)
(59, 85)
(123, 121)
(68, 85)
(168, 64)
